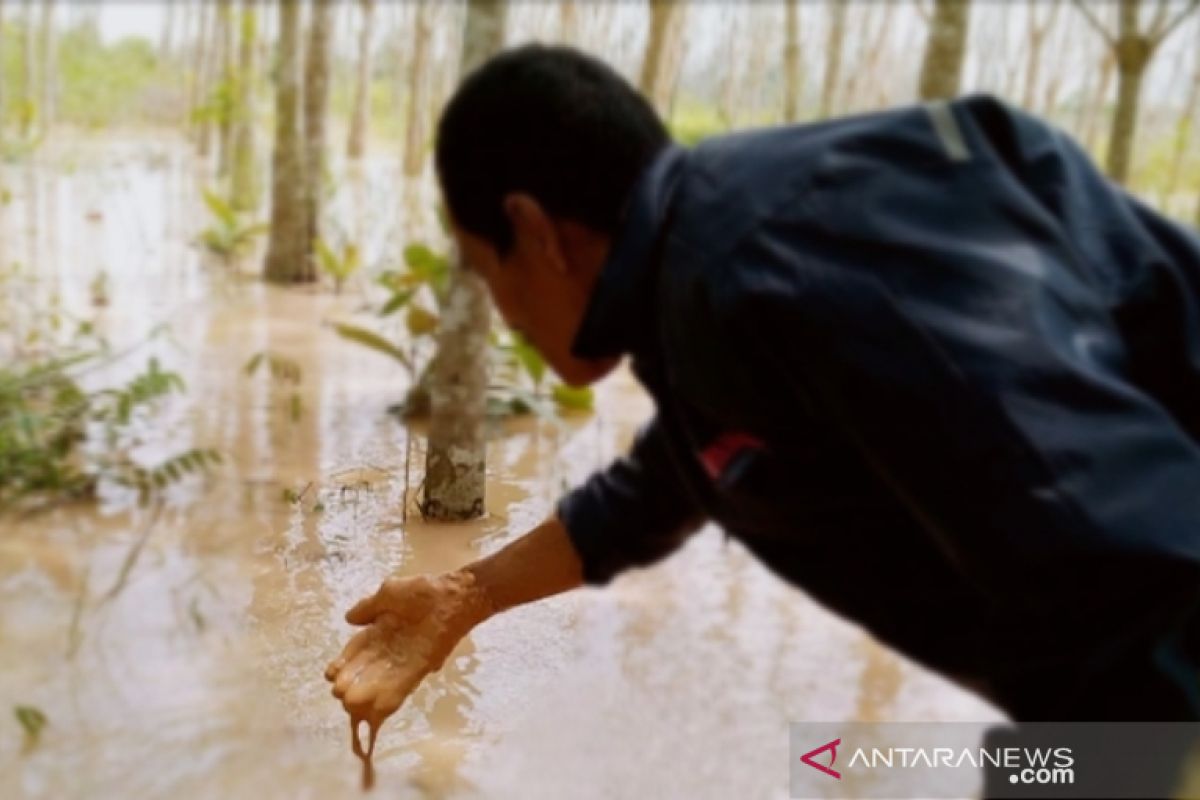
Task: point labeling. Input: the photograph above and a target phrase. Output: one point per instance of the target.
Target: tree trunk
(456, 461)
(164, 44)
(1133, 54)
(418, 89)
(1097, 105)
(287, 258)
(49, 73)
(659, 68)
(833, 56)
(316, 108)
(941, 70)
(208, 69)
(28, 109)
(357, 139)
(568, 21)
(225, 90)
(244, 187)
(791, 62)
(3, 97)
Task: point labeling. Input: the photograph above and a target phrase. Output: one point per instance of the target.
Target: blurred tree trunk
(418, 87)
(568, 22)
(833, 56)
(456, 461)
(727, 101)
(877, 26)
(316, 110)
(1185, 126)
(659, 66)
(164, 43)
(356, 141)
(28, 106)
(941, 69)
(46, 112)
(1099, 100)
(3, 97)
(207, 66)
(244, 189)
(287, 258)
(225, 91)
(1133, 49)
(792, 84)
(1036, 39)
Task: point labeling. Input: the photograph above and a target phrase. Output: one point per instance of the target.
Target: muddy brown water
(199, 672)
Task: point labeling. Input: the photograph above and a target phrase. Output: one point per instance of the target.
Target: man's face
(541, 292)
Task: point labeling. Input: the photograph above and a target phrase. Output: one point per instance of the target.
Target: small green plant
(32, 720)
(48, 418)
(229, 236)
(519, 370)
(337, 265)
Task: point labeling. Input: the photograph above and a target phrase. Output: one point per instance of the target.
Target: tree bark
(244, 189)
(791, 62)
(456, 460)
(941, 70)
(659, 67)
(1133, 54)
(418, 89)
(316, 107)
(833, 56)
(28, 108)
(357, 138)
(287, 258)
(225, 90)
(49, 76)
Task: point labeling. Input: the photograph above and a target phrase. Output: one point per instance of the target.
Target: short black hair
(550, 121)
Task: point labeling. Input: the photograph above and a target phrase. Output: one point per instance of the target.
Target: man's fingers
(349, 673)
(366, 610)
(353, 647)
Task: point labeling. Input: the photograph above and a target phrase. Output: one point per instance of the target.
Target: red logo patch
(721, 451)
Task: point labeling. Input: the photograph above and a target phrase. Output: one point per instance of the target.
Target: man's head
(536, 154)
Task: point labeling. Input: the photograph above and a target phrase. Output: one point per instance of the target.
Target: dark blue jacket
(932, 367)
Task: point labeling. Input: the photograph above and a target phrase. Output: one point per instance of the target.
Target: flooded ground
(178, 650)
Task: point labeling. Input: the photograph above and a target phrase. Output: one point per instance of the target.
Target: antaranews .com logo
(992, 759)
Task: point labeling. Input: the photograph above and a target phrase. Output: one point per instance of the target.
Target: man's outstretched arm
(633, 513)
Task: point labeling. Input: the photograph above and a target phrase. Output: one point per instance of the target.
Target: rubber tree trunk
(225, 90)
(360, 115)
(316, 110)
(456, 459)
(791, 62)
(3, 97)
(287, 258)
(47, 107)
(244, 188)
(208, 71)
(941, 69)
(660, 69)
(418, 88)
(568, 22)
(28, 107)
(833, 56)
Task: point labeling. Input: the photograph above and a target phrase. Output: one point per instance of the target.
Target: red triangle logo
(832, 748)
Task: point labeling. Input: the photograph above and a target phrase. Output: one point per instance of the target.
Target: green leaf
(573, 398)
(372, 340)
(420, 322)
(397, 302)
(220, 208)
(32, 719)
(529, 358)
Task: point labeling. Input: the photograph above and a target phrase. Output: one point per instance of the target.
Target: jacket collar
(620, 312)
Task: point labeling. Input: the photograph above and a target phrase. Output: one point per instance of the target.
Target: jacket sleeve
(633, 513)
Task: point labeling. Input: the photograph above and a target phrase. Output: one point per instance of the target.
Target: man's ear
(532, 227)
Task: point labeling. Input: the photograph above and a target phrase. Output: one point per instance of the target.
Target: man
(927, 364)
